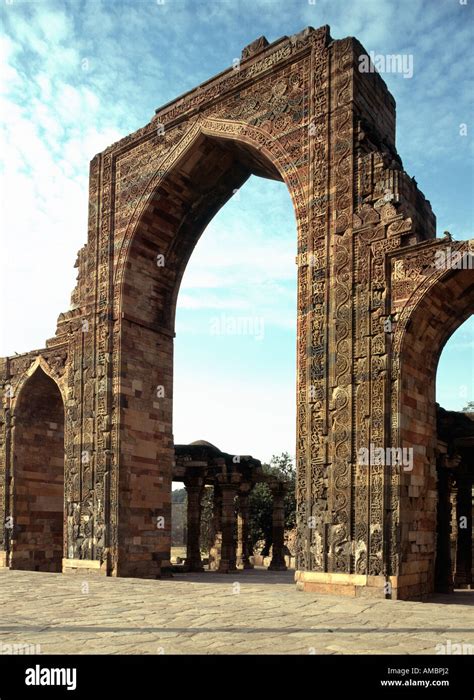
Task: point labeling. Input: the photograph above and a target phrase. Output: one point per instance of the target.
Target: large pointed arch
(256, 139)
(203, 171)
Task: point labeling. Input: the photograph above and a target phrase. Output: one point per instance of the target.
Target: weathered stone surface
(258, 612)
(300, 111)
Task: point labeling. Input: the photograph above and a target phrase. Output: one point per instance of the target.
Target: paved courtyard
(249, 612)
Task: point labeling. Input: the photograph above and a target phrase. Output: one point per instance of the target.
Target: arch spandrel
(416, 271)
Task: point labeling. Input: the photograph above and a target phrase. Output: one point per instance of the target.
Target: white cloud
(248, 417)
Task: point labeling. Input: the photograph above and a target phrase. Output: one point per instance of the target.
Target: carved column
(463, 566)
(453, 527)
(194, 489)
(229, 484)
(443, 565)
(278, 490)
(215, 551)
(243, 532)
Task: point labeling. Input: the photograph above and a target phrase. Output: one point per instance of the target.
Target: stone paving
(249, 612)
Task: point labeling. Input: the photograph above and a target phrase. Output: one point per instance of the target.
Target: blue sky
(77, 76)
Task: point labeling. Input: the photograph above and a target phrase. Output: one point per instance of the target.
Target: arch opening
(455, 461)
(186, 200)
(424, 492)
(38, 476)
(235, 359)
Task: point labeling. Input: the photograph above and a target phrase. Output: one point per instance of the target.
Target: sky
(77, 76)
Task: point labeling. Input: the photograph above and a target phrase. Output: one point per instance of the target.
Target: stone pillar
(278, 490)
(443, 563)
(463, 567)
(194, 488)
(243, 535)
(453, 527)
(215, 551)
(229, 483)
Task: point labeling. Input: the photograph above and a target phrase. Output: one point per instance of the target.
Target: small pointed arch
(39, 364)
(37, 477)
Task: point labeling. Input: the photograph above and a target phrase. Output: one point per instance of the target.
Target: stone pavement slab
(209, 614)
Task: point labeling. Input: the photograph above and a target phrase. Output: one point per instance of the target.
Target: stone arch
(255, 138)
(211, 162)
(438, 307)
(37, 483)
(39, 363)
